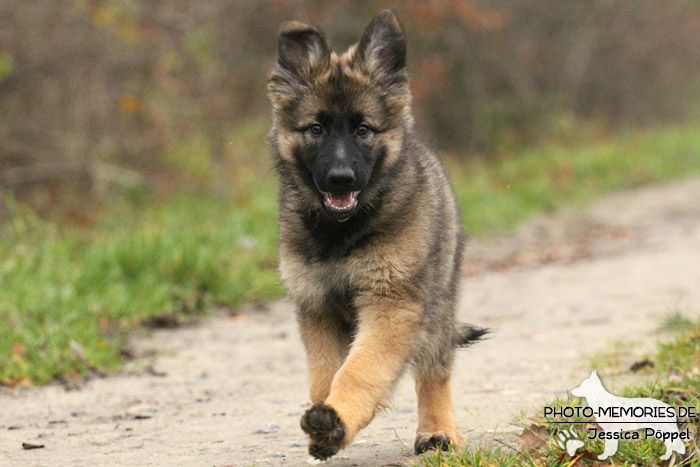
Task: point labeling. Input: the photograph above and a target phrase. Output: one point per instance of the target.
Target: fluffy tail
(466, 334)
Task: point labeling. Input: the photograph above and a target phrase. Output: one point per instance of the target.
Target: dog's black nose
(341, 177)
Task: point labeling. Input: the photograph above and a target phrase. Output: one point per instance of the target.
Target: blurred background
(136, 185)
(121, 93)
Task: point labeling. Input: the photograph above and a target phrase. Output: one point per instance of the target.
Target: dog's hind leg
(326, 344)
(675, 445)
(436, 424)
(609, 449)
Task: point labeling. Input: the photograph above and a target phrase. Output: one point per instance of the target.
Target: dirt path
(231, 391)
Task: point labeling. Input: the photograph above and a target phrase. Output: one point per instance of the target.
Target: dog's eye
(363, 130)
(316, 129)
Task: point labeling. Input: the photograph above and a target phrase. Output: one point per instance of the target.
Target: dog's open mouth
(341, 203)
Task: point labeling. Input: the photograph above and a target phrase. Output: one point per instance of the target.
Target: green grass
(500, 196)
(674, 379)
(180, 255)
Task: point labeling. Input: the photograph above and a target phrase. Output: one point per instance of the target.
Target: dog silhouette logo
(623, 417)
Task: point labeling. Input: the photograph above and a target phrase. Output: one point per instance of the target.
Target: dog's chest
(316, 284)
(376, 268)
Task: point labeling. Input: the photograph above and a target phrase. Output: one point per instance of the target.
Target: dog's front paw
(325, 428)
(427, 441)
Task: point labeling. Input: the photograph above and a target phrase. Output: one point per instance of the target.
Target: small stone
(269, 428)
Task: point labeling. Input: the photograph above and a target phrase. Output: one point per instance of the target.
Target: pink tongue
(341, 199)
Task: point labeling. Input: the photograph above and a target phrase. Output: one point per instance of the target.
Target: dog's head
(589, 386)
(339, 118)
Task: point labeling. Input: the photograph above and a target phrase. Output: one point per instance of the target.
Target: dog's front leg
(326, 345)
(387, 333)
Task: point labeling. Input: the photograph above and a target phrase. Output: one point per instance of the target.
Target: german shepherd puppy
(370, 239)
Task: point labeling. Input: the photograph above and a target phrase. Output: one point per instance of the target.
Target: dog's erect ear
(302, 48)
(594, 375)
(383, 45)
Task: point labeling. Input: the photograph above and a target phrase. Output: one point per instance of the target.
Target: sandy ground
(231, 390)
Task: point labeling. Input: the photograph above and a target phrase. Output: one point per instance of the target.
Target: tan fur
(326, 349)
(287, 140)
(435, 408)
(377, 359)
(393, 140)
(384, 267)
